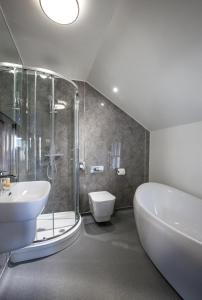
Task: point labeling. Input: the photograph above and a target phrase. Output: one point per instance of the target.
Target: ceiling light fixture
(115, 89)
(61, 11)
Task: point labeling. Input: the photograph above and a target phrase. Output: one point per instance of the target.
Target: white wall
(176, 157)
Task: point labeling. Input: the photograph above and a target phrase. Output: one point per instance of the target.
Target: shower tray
(52, 225)
(48, 246)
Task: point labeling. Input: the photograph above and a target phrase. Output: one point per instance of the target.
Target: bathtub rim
(135, 202)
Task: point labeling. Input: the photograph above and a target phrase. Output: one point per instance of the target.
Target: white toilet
(101, 205)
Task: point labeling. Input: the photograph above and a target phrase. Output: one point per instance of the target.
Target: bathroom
(100, 157)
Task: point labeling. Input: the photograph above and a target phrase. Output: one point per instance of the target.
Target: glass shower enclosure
(41, 109)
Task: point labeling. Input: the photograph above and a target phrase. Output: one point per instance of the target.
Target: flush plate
(96, 169)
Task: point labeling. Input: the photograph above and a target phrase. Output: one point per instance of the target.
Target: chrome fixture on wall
(96, 169)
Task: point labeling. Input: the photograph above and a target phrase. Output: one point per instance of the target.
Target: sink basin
(19, 209)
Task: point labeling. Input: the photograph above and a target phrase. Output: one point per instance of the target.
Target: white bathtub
(169, 224)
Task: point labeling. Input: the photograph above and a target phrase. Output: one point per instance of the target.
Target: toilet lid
(102, 196)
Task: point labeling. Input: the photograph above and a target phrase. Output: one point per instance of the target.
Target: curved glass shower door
(45, 112)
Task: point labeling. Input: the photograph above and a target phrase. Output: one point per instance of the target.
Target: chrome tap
(3, 176)
(2, 184)
(2, 173)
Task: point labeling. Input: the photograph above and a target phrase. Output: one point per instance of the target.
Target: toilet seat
(102, 196)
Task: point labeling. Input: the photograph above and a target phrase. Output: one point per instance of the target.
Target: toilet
(101, 205)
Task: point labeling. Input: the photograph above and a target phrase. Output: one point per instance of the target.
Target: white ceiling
(150, 49)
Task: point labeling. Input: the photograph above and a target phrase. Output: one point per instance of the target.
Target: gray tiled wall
(101, 125)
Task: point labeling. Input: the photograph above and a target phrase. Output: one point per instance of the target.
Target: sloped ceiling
(150, 49)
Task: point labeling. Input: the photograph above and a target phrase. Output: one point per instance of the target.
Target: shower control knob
(82, 165)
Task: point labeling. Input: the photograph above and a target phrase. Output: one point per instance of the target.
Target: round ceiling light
(61, 11)
(115, 89)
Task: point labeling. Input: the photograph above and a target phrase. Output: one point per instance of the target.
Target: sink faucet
(1, 185)
(2, 172)
(3, 176)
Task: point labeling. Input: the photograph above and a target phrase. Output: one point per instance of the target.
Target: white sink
(19, 209)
